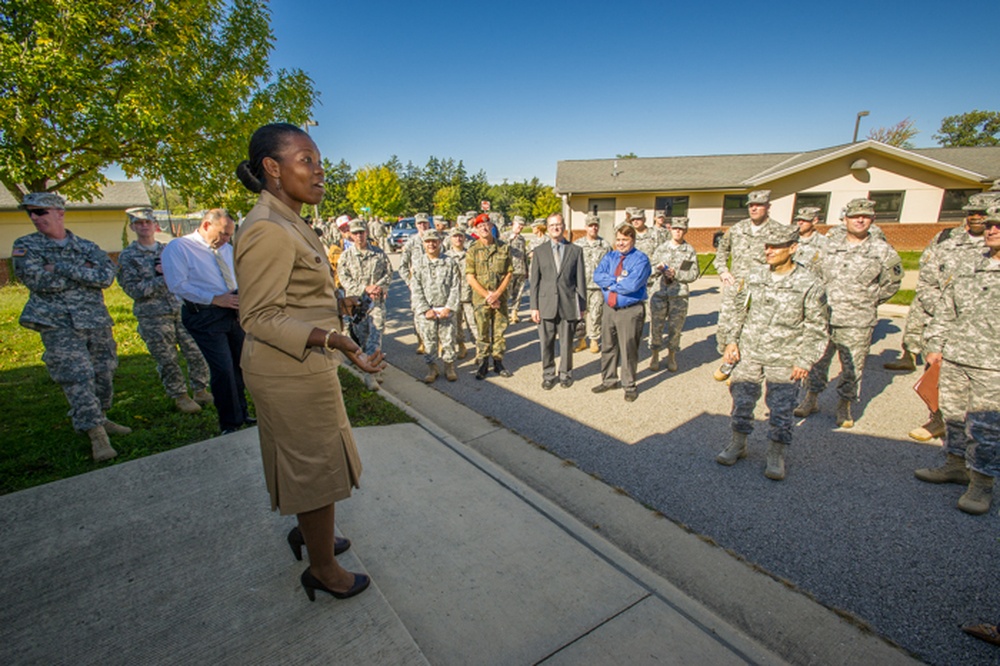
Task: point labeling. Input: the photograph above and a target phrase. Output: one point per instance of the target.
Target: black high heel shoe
(296, 541)
(310, 584)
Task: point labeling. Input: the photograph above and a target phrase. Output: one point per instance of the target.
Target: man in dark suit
(558, 300)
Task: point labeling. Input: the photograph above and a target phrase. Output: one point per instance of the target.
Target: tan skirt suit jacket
(286, 289)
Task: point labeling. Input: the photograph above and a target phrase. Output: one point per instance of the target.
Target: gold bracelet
(326, 340)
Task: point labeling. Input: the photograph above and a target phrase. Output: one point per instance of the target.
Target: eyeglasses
(37, 212)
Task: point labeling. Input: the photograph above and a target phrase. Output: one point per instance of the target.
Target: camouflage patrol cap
(660, 215)
(858, 207)
(635, 214)
(592, 219)
(519, 219)
(471, 214)
(993, 213)
(995, 187)
(622, 225)
(431, 235)
(759, 197)
(807, 213)
(539, 223)
(981, 201)
(43, 200)
(780, 234)
(679, 222)
(456, 231)
(421, 218)
(140, 213)
(357, 226)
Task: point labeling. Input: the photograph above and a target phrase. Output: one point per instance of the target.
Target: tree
(337, 177)
(160, 88)
(898, 135)
(376, 192)
(448, 202)
(626, 156)
(975, 128)
(547, 202)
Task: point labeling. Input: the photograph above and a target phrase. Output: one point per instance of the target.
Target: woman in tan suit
(292, 321)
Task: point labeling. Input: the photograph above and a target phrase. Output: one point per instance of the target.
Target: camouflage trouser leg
(677, 312)
(490, 327)
(435, 333)
(782, 395)
(515, 290)
(657, 318)
(376, 317)
(851, 345)
(595, 304)
(370, 335)
(83, 363)
(970, 405)
(913, 333)
(159, 332)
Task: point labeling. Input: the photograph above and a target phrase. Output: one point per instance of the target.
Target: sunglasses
(991, 225)
(37, 212)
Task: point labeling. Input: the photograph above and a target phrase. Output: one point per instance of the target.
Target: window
(674, 206)
(951, 205)
(888, 205)
(819, 200)
(734, 209)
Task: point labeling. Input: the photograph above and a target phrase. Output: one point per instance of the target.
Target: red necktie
(613, 296)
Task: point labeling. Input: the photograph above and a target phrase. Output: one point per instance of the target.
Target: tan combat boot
(907, 362)
(461, 352)
(203, 397)
(775, 461)
(420, 348)
(737, 449)
(654, 360)
(581, 345)
(809, 405)
(952, 471)
(928, 431)
(979, 494)
(844, 419)
(671, 361)
(449, 372)
(100, 447)
(594, 347)
(371, 382)
(513, 317)
(432, 373)
(113, 428)
(186, 405)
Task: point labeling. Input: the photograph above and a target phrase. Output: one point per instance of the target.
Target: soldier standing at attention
(676, 264)
(158, 313)
(860, 272)
(812, 243)
(364, 270)
(594, 248)
(488, 271)
(437, 288)
(775, 327)
(962, 338)
(67, 276)
(519, 260)
(465, 318)
(647, 239)
(412, 253)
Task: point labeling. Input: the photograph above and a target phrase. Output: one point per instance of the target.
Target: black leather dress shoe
(631, 394)
(601, 388)
(566, 383)
(500, 370)
(249, 422)
(547, 384)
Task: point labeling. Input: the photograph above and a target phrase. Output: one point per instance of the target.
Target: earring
(278, 182)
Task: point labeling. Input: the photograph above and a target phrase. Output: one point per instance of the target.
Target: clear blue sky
(513, 87)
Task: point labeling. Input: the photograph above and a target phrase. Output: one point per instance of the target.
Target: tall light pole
(306, 125)
(857, 123)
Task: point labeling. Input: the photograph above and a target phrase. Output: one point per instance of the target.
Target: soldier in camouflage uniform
(364, 269)
(675, 263)
(647, 239)
(488, 269)
(158, 313)
(860, 272)
(519, 259)
(938, 261)
(775, 327)
(594, 248)
(812, 243)
(412, 254)
(961, 336)
(66, 276)
(437, 289)
(465, 318)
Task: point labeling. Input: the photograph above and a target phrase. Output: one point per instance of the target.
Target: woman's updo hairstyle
(267, 141)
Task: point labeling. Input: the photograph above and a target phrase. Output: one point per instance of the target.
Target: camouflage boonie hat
(780, 234)
(856, 207)
(981, 201)
(140, 213)
(421, 217)
(808, 214)
(43, 200)
(679, 222)
(357, 225)
(431, 234)
(592, 219)
(759, 197)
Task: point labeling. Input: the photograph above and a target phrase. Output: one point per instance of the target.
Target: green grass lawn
(38, 442)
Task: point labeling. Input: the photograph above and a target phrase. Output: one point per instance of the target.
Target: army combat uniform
(465, 318)
(519, 271)
(357, 269)
(489, 264)
(593, 252)
(811, 250)
(646, 242)
(670, 302)
(66, 306)
(437, 284)
(158, 313)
